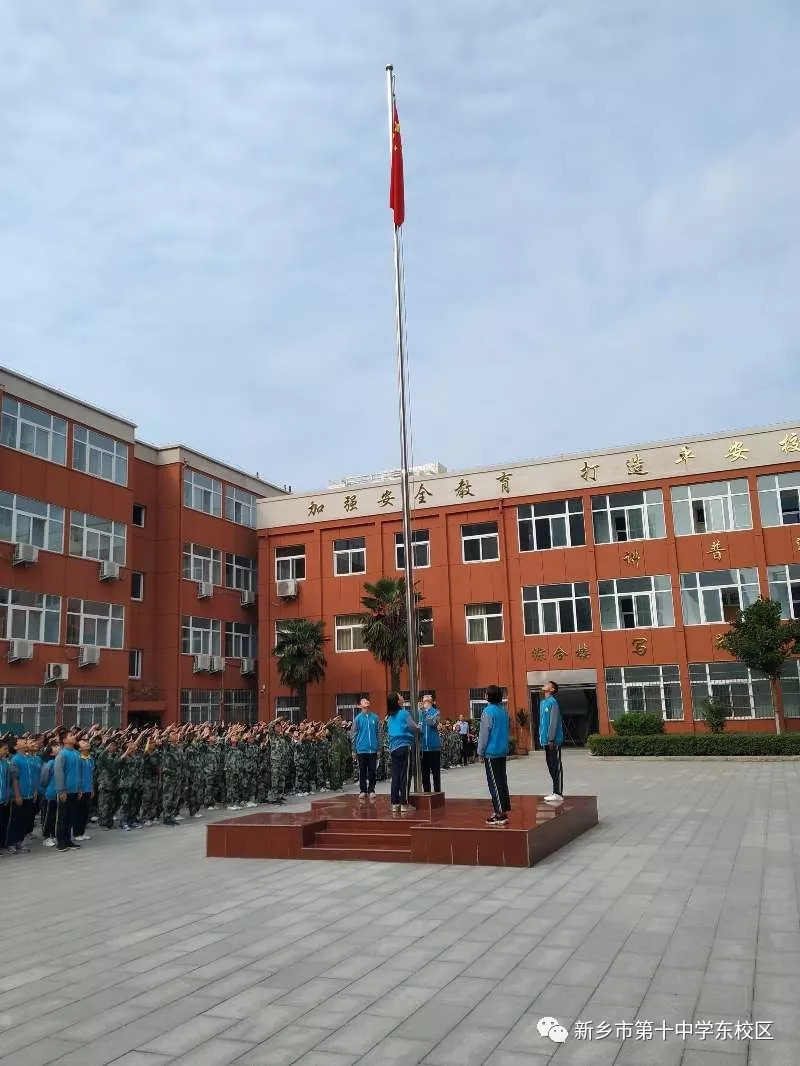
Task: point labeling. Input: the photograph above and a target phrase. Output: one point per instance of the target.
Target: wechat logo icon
(550, 1027)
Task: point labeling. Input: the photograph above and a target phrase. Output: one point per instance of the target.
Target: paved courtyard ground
(681, 906)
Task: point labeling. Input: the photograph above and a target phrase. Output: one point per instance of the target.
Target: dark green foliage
(715, 714)
(699, 744)
(637, 723)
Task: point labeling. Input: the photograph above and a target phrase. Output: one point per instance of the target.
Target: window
(425, 626)
(139, 515)
(484, 623)
(477, 702)
(199, 705)
(784, 586)
(636, 603)
(31, 430)
(202, 493)
(241, 640)
(717, 595)
(557, 524)
(202, 564)
(290, 563)
(289, 707)
(29, 616)
(99, 624)
(480, 542)
(779, 497)
(628, 516)
(27, 521)
(240, 572)
(347, 704)
(421, 550)
(240, 506)
(101, 456)
(137, 585)
(135, 664)
(96, 538)
(281, 626)
(733, 684)
(563, 608)
(790, 687)
(28, 706)
(655, 689)
(349, 556)
(239, 705)
(83, 707)
(201, 636)
(713, 507)
(349, 632)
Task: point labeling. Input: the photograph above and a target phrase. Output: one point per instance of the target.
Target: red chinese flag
(397, 199)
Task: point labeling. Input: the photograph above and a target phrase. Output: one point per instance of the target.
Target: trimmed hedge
(637, 723)
(699, 744)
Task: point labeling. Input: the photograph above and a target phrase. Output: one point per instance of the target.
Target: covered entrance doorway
(577, 698)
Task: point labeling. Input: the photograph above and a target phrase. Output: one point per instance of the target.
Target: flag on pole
(397, 199)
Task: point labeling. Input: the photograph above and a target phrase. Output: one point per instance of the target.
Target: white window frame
(33, 707)
(134, 575)
(101, 625)
(646, 504)
(545, 603)
(718, 502)
(485, 537)
(94, 537)
(288, 560)
(289, 707)
(241, 572)
(101, 456)
(28, 615)
(631, 680)
(344, 559)
(240, 506)
(201, 563)
(135, 661)
(551, 520)
(784, 586)
(348, 704)
(477, 703)
(771, 498)
(420, 550)
(721, 687)
(84, 707)
(692, 581)
(481, 616)
(280, 625)
(349, 632)
(425, 618)
(45, 433)
(240, 705)
(790, 688)
(200, 705)
(656, 598)
(202, 492)
(142, 510)
(241, 640)
(33, 522)
(201, 636)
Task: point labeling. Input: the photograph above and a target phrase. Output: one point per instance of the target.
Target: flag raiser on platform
(397, 199)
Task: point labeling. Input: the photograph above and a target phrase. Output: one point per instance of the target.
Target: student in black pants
(67, 773)
(493, 748)
(431, 746)
(402, 731)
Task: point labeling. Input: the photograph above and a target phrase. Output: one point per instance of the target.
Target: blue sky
(602, 241)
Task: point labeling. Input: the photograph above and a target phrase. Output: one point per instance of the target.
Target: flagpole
(405, 481)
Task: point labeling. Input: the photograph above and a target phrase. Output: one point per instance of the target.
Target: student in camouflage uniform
(107, 783)
(280, 759)
(151, 780)
(195, 780)
(264, 784)
(130, 786)
(172, 776)
(252, 761)
(234, 772)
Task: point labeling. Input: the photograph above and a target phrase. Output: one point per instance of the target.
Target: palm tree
(385, 634)
(300, 651)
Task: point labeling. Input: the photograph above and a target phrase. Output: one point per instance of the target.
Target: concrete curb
(697, 758)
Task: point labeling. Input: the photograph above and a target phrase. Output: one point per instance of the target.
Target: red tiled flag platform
(452, 832)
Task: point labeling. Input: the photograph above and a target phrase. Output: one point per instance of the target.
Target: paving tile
(284, 1047)
(363, 1033)
(215, 1052)
(187, 1035)
(397, 1051)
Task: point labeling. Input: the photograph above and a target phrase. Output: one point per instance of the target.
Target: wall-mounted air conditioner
(217, 664)
(109, 571)
(248, 667)
(20, 650)
(248, 598)
(287, 590)
(88, 655)
(201, 664)
(205, 590)
(56, 672)
(25, 555)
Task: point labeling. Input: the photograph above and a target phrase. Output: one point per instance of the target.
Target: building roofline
(65, 396)
(188, 454)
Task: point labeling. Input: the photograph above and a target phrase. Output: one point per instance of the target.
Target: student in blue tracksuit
(47, 785)
(67, 771)
(551, 737)
(22, 808)
(366, 741)
(5, 791)
(35, 770)
(87, 791)
(402, 730)
(493, 747)
(431, 745)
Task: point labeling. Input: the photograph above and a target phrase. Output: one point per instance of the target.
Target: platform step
(399, 823)
(330, 839)
(373, 854)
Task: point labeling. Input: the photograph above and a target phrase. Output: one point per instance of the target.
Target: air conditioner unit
(202, 664)
(217, 664)
(20, 650)
(287, 590)
(25, 554)
(205, 590)
(248, 667)
(56, 672)
(109, 571)
(248, 598)
(88, 655)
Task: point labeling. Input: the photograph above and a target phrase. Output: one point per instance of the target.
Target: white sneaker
(198, 815)
(82, 837)
(146, 824)
(178, 818)
(554, 798)
(50, 842)
(211, 808)
(233, 807)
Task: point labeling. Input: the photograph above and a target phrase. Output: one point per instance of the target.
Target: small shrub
(512, 746)
(638, 723)
(522, 718)
(697, 744)
(715, 714)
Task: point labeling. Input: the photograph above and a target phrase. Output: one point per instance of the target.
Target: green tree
(300, 651)
(385, 633)
(763, 641)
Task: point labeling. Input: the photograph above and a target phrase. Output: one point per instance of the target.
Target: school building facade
(612, 573)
